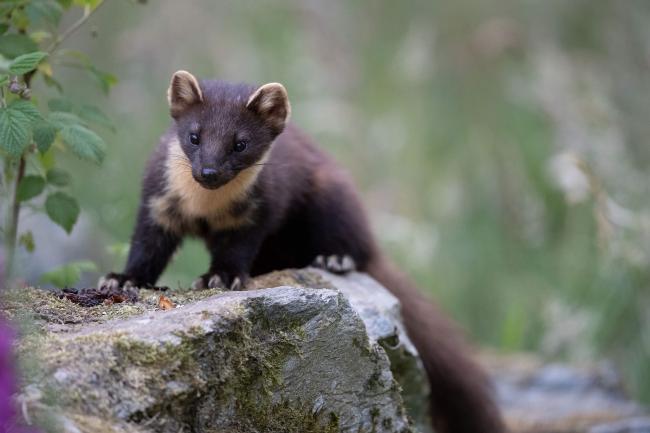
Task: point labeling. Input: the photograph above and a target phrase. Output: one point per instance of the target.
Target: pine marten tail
(460, 400)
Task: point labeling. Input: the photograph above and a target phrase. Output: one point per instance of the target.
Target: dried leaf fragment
(164, 303)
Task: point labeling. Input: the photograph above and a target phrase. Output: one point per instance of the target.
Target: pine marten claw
(214, 281)
(113, 281)
(336, 264)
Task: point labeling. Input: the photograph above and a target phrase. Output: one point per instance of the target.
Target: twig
(74, 27)
(12, 226)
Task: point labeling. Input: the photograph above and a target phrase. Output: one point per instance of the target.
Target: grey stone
(283, 359)
(302, 351)
(559, 398)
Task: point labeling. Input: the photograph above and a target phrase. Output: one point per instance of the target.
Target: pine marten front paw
(113, 281)
(220, 281)
(337, 264)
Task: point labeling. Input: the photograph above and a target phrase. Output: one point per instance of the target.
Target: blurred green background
(501, 146)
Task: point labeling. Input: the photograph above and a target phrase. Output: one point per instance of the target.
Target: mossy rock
(307, 356)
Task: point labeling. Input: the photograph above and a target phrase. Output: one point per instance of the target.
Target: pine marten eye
(240, 146)
(194, 139)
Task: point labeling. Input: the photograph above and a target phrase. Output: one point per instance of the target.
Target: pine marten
(232, 171)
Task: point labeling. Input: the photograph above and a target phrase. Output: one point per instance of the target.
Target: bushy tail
(460, 401)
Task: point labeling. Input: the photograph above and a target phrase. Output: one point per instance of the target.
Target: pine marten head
(224, 128)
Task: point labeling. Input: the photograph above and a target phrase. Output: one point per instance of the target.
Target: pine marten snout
(232, 171)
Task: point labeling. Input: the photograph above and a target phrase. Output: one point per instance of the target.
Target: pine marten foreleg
(151, 248)
(231, 257)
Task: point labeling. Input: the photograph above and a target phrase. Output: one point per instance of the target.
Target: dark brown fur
(298, 204)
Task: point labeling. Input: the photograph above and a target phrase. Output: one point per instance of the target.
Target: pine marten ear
(271, 102)
(183, 92)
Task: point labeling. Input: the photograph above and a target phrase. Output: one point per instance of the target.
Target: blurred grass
(501, 146)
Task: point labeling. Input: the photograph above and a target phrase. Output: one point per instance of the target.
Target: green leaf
(44, 12)
(27, 240)
(80, 56)
(58, 177)
(62, 119)
(60, 104)
(14, 131)
(95, 115)
(30, 187)
(51, 82)
(62, 209)
(90, 3)
(69, 274)
(84, 143)
(106, 80)
(4, 79)
(44, 135)
(27, 108)
(65, 4)
(4, 28)
(26, 62)
(14, 45)
(40, 36)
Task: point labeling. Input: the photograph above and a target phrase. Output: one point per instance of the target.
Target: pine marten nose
(209, 174)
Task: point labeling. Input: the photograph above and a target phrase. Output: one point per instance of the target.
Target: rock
(302, 351)
(302, 357)
(537, 397)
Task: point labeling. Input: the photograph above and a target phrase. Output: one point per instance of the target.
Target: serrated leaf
(95, 115)
(4, 79)
(58, 177)
(14, 131)
(62, 209)
(26, 62)
(44, 134)
(27, 240)
(60, 104)
(68, 274)
(14, 45)
(30, 187)
(27, 108)
(84, 143)
(62, 119)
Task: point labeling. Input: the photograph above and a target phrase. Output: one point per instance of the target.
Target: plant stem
(74, 27)
(11, 232)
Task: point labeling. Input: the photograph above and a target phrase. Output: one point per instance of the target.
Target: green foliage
(14, 45)
(84, 143)
(26, 63)
(44, 135)
(67, 275)
(62, 209)
(29, 187)
(36, 128)
(58, 177)
(14, 132)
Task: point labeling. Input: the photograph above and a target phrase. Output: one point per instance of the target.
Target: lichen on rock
(301, 357)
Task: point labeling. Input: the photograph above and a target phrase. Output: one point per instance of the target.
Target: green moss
(239, 367)
(409, 380)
